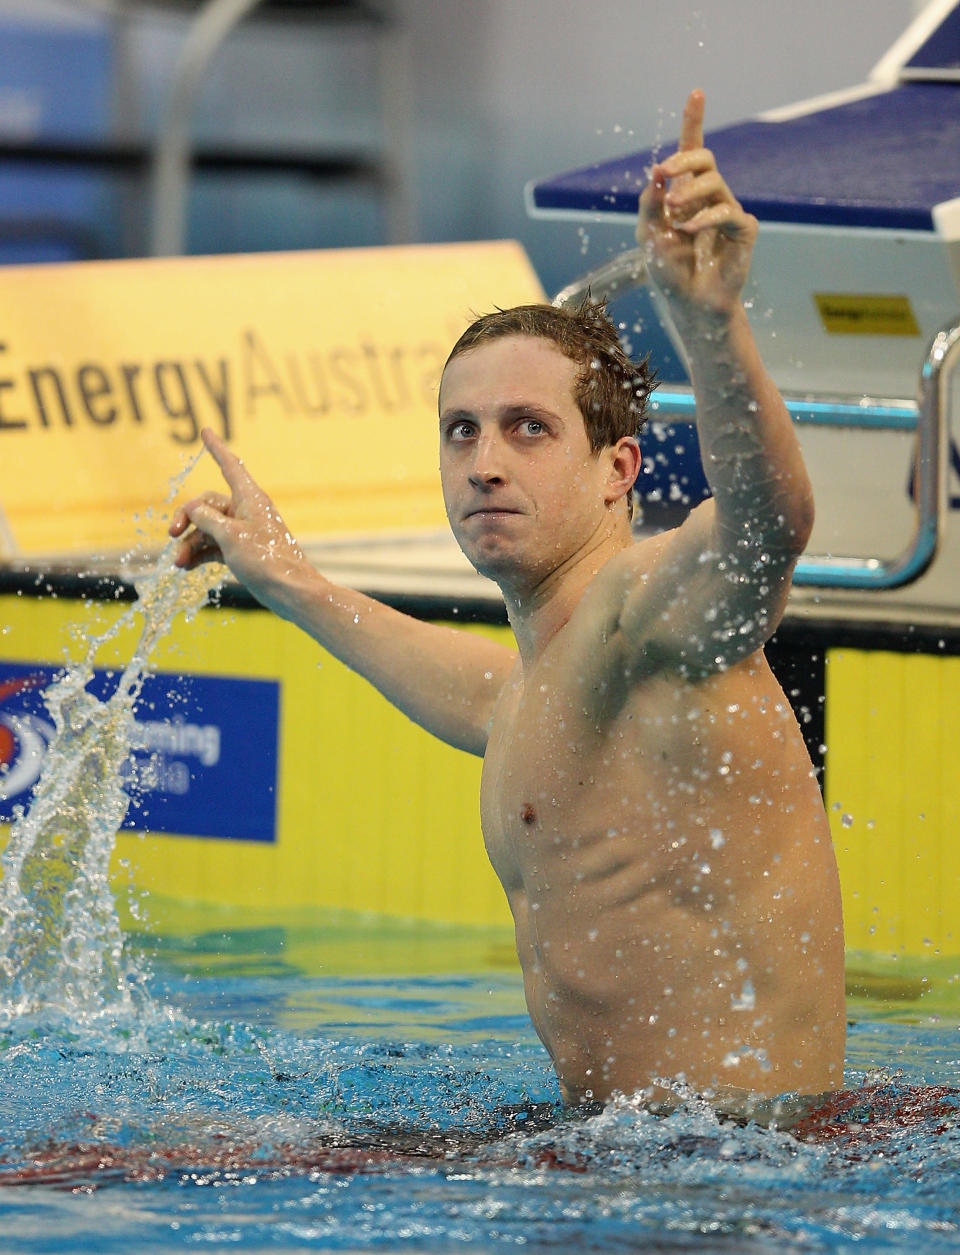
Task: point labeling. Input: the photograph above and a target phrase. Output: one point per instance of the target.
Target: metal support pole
(171, 161)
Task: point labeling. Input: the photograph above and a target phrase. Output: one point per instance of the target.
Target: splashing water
(61, 944)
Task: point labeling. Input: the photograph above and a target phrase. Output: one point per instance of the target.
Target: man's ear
(624, 460)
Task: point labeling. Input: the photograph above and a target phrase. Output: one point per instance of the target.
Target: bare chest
(569, 799)
(557, 782)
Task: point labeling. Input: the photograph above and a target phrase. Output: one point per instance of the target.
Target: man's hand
(698, 239)
(445, 680)
(243, 530)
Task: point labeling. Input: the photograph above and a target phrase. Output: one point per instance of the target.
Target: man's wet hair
(610, 389)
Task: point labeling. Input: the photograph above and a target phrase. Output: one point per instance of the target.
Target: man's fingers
(211, 522)
(180, 522)
(697, 191)
(691, 127)
(182, 515)
(652, 198)
(728, 218)
(195, 549)
(234, 472)
(689, 161)
(207, 516)
(692, 161)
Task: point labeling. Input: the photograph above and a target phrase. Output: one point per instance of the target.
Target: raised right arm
(446, 680)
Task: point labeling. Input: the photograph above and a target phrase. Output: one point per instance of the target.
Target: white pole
(171, 159)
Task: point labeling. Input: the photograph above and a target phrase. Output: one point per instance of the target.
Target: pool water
(278, 1089)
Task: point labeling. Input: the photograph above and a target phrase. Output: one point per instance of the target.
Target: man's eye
(459, 431)
(532, 427)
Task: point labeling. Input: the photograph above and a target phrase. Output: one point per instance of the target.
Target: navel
(527, 813)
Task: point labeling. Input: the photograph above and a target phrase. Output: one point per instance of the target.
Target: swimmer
(646, 801)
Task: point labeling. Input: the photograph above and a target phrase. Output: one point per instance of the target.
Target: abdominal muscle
(675, 1004)
(672, 922)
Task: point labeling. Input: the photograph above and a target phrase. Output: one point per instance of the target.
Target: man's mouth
(489, 511)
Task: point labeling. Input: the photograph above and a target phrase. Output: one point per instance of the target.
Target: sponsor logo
(203, 750)
(866, 314)
(24, 738)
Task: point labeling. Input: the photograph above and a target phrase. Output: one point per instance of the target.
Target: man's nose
(487, 470)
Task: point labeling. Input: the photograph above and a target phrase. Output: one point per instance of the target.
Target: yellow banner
(862, 314)
(321, 368)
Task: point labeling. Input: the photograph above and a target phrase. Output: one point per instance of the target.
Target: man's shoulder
(624, 612)
(627, 570)
(588, 641)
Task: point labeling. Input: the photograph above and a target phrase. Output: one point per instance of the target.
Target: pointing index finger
(234, 472)
(691, 128)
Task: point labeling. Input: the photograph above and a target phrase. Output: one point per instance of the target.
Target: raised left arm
(721, 580)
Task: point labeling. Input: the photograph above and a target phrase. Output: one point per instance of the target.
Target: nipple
(528, 814)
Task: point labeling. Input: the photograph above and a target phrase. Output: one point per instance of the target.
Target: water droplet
(746, 1000)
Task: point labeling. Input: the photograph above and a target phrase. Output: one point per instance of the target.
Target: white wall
(507, 90)
(501, 91)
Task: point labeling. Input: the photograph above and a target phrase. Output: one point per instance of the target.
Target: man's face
(524, 493)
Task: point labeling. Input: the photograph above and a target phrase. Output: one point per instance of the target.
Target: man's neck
(537, 612)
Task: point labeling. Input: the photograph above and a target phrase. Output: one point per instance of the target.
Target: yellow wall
(376, 816)
(893, 773)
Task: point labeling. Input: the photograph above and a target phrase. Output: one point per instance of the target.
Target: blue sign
(203, 754)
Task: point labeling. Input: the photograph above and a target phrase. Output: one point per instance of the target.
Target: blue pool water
(254, 1100)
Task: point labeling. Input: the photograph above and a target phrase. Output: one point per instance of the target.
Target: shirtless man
(647, 801)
